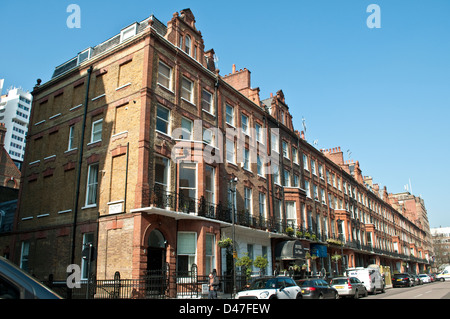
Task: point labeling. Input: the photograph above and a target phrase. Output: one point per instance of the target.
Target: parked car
(425, 278)
(17, 284)
(271, 288)
(417, 280)
(433, 277)
(349, 287)
(370, 277)
(402, 280)
(315, 288)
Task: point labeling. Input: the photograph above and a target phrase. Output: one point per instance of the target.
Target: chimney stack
(2, 134)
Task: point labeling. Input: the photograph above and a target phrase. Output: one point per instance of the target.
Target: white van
(370, 277)
(444, 275)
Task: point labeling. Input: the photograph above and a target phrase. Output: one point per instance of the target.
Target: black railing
(159, 284)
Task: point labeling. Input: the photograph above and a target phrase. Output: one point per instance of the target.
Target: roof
(160, 28)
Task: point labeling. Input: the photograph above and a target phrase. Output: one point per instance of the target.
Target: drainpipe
(80, 161)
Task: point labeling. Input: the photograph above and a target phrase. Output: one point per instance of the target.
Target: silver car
(349, 287)
(17, 284)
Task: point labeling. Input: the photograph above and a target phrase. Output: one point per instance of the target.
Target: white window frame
(162, 119)
(71, 138)
(248, 200)
(230, 144)
(164, 76)
(305, 162)
(185, 130)
(192, 258)
(165, 184)
(262, 205)
(295, 155)
(210, 259)
(260, 169)
(259, 133)
(95, 131)
(287, 178)
(189, 91)
(206, 102)
(211, 192)
(275, 142)
(92, 183)
(285, 147)
(245, 124)
(291, 215)
(187, 44)
(128, 32)
(84, 262)
(227, 114)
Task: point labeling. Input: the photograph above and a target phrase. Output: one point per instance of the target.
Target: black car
(402, 280)
(315, 288)
(17, 284)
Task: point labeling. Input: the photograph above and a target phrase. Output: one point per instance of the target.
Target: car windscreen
(339, 281)
(263, 284)
(306, 283)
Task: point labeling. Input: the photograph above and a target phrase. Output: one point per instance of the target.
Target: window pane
(161, 172)
(164, 75)
(97, 131)
(186, 127)
(186, 89)
(162, 119)
(91, 196)
(206, 101)
(186, 244)
(230, 114)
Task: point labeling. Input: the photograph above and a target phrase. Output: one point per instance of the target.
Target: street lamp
(232, 189)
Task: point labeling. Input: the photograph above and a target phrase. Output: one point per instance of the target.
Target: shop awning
(289, 250)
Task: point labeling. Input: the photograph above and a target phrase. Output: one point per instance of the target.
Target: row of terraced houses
(139, 146)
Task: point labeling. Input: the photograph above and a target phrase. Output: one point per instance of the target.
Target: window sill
(189, 102)
(123, 86)
(89, 206)
(166, 88)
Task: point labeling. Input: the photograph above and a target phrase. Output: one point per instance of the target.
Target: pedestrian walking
(213, 285)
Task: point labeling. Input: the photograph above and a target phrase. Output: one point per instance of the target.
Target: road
(435, 290)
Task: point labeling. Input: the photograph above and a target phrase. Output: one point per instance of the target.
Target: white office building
(15, 107)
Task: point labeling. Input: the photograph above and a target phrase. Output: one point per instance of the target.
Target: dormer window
(187, 45)
(128, 32)
(84, 55)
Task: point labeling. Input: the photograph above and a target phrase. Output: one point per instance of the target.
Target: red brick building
(133, 144)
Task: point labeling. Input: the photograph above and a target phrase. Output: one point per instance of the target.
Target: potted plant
(261, 262)
(290, 231)
(299, 234)
(225, 242)
(245, 262)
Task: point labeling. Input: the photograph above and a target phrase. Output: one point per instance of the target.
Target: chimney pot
(234, 68)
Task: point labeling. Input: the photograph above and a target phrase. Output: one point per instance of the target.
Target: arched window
(187, 44)
(156, 239)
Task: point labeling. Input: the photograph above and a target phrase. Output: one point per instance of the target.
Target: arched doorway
(156, 252)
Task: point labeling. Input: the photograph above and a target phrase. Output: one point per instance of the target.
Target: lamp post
(232, 188)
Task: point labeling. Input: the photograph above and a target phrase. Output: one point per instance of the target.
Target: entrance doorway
(156, 252)
(157, 277)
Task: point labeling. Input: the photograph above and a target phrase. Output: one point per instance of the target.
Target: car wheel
(320, 296)
(365, 293)
(336, 295)
(299, 296)
(356, 296)
(383, 290)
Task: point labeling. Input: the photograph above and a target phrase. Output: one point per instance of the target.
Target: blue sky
(384, 93)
